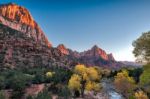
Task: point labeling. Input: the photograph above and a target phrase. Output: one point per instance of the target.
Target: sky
(79, 24)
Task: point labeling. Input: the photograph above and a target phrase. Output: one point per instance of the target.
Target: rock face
(111, 57)
(95, 51)
(22, 42)
(63, 49)
(19, 18)
(97, 57)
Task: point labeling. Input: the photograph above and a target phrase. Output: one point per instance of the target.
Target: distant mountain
(130, 63)
(24, 44)
(98, 57)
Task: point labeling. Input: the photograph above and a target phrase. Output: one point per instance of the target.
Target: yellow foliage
(49, 74)
(124, 83)
(124, 75)
(85, 76)
(74, 82)
(89, 86)
(80, 69)
(140, 95)
(92, 86)
(92, 73)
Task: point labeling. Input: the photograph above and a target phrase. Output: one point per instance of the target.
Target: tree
(142, 47)
(140, 95)
(85, 78)
(145, 77)
(124, 83)
(74, 82)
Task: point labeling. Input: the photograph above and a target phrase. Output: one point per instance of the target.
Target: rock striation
(19, 18)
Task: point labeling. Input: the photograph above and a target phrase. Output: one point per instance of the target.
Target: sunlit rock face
(95, 51)
(63, 49)
(19, 18)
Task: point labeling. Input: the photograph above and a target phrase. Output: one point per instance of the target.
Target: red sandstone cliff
(19, 18)
(63, 49)
(95, 51)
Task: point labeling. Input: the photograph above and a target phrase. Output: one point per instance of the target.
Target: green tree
(142, 47)
(145, 77)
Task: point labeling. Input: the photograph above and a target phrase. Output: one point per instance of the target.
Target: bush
(2, 96)
(38, 78)
(135, 73)
(124, 83)
(61, 75)
(43, 95)
(145, 77)
(64, 92)
(17, 94)
(140, 95)
(2, 82)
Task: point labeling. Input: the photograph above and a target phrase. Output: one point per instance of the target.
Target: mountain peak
(95, 47)
(20, 19)
(17, 13)
(63, 49)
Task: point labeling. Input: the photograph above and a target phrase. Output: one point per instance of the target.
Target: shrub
(124, 83)
(38, 78)
(140, 95)
(2, 96)
(64, 92)
(43, 95)
(2, 82)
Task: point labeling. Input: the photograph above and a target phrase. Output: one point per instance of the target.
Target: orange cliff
(19, 18)
(63, 49)
(95, 51)
(17, 13)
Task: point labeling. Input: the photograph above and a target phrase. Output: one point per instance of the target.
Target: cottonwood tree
(124, 83)
(140, 95)
(85, 78)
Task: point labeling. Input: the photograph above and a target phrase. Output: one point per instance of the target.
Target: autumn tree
(85, 78)
(124, 83)
(140, 95)
(142, 47)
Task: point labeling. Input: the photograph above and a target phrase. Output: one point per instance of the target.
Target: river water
(109, 90)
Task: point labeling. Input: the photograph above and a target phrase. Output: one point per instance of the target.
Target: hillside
(23, 43)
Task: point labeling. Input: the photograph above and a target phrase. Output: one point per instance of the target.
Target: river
(109, 89)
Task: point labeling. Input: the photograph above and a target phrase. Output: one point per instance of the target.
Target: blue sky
(80, 24)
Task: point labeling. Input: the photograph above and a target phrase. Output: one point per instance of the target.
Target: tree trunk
(82, 88)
